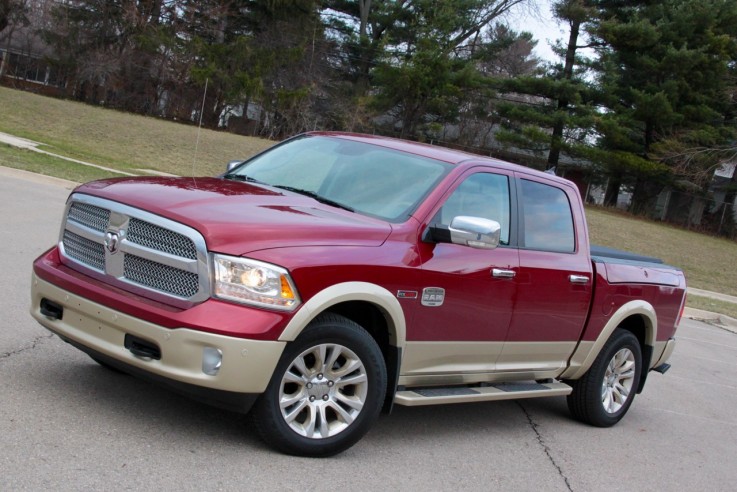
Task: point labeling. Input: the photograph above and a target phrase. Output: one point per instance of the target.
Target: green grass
(713, 305)
(708, 262)
(129, 142)
(120, 140)
(50, 166)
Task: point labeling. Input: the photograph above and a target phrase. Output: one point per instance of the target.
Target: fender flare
(585, 354)
(351, 291)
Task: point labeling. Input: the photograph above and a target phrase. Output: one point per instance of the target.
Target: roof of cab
(425, 150)
(444, 154)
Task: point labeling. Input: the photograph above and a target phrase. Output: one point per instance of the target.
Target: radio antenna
(199, 129)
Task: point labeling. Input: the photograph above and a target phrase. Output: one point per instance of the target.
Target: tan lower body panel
(662, 352)
(535, 356)
(247, 365)
(456, 363)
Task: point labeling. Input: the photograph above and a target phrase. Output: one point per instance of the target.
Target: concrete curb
(23, 143)
(712, 295)
(36, 178)
(715, 319)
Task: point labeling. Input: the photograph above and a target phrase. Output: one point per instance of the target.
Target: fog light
(212, 359)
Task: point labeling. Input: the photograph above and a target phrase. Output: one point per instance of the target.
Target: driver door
(467, 295)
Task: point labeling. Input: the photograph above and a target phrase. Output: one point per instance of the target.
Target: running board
(465, 394)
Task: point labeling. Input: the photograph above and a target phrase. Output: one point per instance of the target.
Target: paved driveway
(67, 423)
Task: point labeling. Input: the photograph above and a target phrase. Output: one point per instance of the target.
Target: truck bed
(603, 253)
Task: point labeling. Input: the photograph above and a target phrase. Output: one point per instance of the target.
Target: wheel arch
(357, 294)
(369, 305)
(637, 317)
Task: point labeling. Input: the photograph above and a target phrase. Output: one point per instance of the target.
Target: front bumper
(247, 365)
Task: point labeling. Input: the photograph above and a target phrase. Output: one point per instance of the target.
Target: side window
(481, 195)
(548, 222)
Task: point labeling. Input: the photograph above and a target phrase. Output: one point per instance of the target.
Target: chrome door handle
(500, 273)
(578, 279)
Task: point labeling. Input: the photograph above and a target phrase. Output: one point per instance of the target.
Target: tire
(604, 394)
(310, 409)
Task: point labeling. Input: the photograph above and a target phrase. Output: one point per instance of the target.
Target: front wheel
(326, 391)
(604, 394)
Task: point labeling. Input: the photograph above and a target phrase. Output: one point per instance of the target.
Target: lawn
(120, 140)
(130, 143)
(712, 305)
(709, 262)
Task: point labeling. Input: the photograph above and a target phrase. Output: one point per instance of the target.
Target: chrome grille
(158, 238)
(160, 277)
(135, 250)
(83, 250)
(93, 217)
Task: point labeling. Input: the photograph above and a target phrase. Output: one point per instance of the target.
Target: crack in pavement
(545, 447)
(33, 345)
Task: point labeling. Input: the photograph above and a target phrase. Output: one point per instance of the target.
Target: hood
(236, 218)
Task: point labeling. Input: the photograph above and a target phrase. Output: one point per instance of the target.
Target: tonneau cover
(604, 252)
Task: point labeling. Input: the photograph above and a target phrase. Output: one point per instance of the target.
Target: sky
(542, 25)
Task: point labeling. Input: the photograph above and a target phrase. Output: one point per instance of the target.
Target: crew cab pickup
(335, 275)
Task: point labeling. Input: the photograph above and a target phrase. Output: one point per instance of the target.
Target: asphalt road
(68, 424)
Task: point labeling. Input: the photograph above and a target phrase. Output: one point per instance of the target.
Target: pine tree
(552, 112)
(665, 69)
(430, 64)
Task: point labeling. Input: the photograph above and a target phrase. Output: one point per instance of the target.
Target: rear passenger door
(554, 281)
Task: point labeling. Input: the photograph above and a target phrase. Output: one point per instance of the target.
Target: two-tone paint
(546, 319)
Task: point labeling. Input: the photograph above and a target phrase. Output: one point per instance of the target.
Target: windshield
(361, 177)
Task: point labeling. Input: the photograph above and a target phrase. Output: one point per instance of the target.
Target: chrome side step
(465, 394)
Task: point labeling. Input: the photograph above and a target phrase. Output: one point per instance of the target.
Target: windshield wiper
(312, 194)
(242, 177)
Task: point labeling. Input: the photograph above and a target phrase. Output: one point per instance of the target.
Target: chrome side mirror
(232, 165)
(475, 232)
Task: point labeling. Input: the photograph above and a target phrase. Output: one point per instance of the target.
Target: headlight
(254, 282)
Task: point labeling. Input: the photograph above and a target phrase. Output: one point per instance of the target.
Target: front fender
(351, 291)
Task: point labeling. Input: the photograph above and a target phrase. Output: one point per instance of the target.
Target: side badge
(433, 296)
(407, 294)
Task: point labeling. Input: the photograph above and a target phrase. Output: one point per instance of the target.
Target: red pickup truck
(336, 275)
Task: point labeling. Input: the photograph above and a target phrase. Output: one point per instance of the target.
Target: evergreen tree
(552, 111)
(665, 68)
(430, 62)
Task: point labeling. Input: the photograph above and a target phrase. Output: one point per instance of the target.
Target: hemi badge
(433, 296)
(407, 294)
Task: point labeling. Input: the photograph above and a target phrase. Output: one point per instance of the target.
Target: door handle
(578, 279)
(501, 273)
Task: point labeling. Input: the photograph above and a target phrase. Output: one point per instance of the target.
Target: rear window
(547, 218)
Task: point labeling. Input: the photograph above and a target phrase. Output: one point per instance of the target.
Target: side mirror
(475, 232)
(232, 165)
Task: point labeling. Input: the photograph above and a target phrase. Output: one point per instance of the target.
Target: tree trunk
(643, 196)
(612, 191)
(556, 141)
(6, 55)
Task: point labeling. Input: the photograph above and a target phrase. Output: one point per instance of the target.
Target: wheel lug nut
(330, 383)
(309, 385)
(325, 397)
(312, 398)
(319, 376)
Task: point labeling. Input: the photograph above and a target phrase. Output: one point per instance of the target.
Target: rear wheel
(604, 394)
(326, 391)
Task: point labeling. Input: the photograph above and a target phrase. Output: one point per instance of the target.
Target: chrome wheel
(323, 391)
(618, 380)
